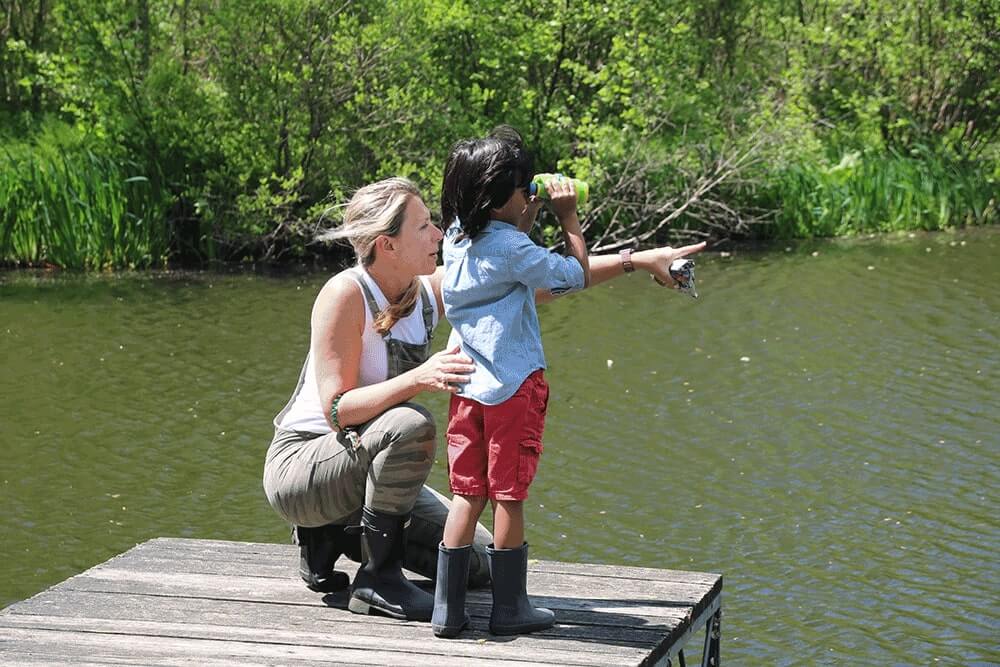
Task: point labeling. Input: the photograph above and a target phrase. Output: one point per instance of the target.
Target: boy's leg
(508, 524)
(514, 431)
(451, 582)
(427, 531)
(467, 478)
(462, 519)
(467, 469)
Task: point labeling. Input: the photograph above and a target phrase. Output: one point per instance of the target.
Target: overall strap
(369, 297)
(428, 311)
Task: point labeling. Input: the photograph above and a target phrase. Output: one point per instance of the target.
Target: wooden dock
(181, 601)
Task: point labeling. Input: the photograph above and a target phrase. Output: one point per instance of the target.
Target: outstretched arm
(655, 261)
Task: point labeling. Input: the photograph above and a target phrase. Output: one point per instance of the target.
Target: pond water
(821, 426)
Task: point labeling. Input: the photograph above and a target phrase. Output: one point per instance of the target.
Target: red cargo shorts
(493, 450)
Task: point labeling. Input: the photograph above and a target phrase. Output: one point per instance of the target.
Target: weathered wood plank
(632, 612)
(277, 554)
(497, 649)
(28, 660)
(80, 604)
(172, 601)
(144, 650)
(286, 577)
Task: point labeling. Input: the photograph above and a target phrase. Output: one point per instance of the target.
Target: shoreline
(329, 263)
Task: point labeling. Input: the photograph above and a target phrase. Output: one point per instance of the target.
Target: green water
(821, 429)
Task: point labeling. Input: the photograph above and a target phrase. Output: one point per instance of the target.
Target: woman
(349, 444)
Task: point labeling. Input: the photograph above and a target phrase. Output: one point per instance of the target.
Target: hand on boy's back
(562, 194)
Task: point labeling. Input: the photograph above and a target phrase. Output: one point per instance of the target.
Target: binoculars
(538, 184)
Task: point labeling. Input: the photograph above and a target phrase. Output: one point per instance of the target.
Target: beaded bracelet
(351, 434)
(333, 411)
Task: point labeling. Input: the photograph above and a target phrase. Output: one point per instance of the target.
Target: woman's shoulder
(341, 294)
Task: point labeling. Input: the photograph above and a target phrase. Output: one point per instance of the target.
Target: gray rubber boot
(512, 611)
(380, 586)
(449, 594)
(319, 549)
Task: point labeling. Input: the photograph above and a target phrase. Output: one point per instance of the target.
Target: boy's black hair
(481, 174)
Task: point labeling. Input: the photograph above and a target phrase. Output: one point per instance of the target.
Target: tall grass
(76, 209)
(881, 192)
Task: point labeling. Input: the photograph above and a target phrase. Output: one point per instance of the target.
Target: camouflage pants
(313, 480)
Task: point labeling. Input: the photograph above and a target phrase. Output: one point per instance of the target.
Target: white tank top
(304, 411)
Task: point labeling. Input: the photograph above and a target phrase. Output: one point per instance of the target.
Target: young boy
(495, 423)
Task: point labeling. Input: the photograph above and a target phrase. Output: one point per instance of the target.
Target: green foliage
(67, 205)
(248, 119)
(881, 192)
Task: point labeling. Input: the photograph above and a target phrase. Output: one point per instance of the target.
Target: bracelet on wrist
(352, 435)
(334, 407)
(626, 256)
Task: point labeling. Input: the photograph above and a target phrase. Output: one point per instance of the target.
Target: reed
(77, 209)
(881, 192)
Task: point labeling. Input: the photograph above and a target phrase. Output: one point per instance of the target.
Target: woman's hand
(444, 371)
(658, 260)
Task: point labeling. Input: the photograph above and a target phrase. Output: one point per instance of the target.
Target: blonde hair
(375, 210)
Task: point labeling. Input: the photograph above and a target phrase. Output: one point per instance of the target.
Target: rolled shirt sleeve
(539, 268)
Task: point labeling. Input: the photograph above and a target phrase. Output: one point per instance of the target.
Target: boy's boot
(319, 549)
(512, 611)
(449, 594)
(379, 585)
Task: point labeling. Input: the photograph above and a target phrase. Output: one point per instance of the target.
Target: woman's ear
(384, 243)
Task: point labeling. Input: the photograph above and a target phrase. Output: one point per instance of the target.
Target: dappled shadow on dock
(630, 623)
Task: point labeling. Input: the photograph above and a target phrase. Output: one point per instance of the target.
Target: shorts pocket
(529, 452)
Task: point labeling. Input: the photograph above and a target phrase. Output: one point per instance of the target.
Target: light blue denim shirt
(489, 298)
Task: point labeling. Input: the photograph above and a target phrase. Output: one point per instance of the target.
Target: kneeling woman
(349, 447)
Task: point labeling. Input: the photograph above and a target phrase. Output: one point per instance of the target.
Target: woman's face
(419, 239)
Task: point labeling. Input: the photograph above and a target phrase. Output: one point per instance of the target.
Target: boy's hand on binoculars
(562, 194)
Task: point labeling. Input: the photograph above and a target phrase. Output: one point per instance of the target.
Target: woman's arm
(338, 321)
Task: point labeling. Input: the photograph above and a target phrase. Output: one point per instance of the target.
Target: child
(495, 422)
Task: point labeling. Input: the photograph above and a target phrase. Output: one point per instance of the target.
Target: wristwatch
(626, 256)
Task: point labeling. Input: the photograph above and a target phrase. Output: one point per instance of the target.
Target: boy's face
(515, 207)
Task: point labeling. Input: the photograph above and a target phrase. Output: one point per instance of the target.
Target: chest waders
(379, 585)
(320, 547)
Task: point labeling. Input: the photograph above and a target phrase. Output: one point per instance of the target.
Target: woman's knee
(411, 426)
(415, 419)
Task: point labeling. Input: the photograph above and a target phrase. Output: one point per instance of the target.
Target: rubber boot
(512, 611)
(380, 586)
(449, 594)
(319, 549)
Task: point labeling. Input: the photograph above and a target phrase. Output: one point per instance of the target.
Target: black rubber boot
(379, 586)
(449, 594)
(512, 611)
(319, 549)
